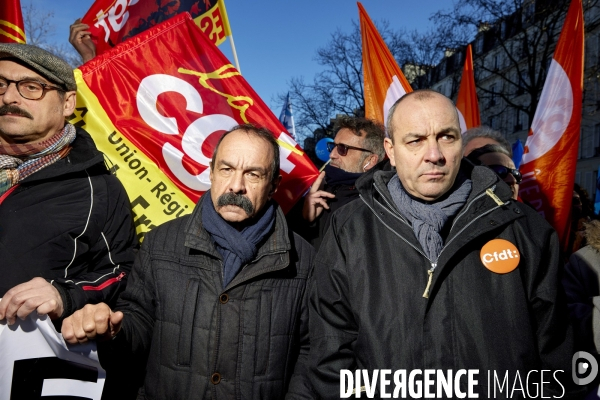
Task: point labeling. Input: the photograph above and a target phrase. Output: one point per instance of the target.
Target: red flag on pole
(114, 21)
(11, 22)
(384, 81)
(550, 157)
(158, 121)
(466, 102)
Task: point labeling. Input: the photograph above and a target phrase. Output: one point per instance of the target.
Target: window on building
(518, 121)
(493, 95)
(587, 142)
(589, 183)
(597, 140)
(479, 44)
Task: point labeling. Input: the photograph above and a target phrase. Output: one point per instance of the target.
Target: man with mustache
(216, 299)
(437, 268)
(66, 231)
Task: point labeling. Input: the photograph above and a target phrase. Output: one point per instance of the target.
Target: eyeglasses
(28, 89)
(503, 172)
(342, 149)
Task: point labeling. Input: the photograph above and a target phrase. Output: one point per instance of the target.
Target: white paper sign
(36, 362)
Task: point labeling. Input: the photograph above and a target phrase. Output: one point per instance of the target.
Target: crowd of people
(411, 251)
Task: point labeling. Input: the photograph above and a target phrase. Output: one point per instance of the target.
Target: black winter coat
(247, 341)
(367, 305)
(71, 224)
(313, 232)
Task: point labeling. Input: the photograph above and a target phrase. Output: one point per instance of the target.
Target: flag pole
(237, 63)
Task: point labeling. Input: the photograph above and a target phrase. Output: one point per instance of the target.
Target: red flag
(384, 81)
(113, 21)
(466, 101)
(11, 22)
(158, 121)
(550, 157)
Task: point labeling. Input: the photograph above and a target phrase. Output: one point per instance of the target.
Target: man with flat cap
(66, 231)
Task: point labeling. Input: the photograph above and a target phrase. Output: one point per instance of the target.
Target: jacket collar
(196, 237)
(375, 181)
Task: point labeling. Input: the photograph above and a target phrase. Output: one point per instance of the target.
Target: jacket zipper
(488, 192)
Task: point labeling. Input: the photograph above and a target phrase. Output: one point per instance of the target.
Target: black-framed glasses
(503, 172)
(342, 149)
(27, 88)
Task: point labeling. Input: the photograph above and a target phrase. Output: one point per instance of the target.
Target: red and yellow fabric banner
(156, 106)
(384, 81)
(550, 157)
(466, 101)
(12, 29)
(114, 21)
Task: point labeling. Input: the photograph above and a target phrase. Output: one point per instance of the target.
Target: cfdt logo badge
(584, 368)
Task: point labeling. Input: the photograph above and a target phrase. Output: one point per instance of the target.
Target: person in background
(480, 136)
(497, 158)
(81, 39)
(357, 148)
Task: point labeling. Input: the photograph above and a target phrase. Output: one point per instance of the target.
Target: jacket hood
(482, 178)
(82, 156)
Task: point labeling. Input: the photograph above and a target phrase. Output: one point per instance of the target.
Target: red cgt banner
(114, 21)
(157, 104)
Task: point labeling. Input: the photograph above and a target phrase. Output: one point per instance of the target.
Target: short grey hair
(484, 131)
(488, 148)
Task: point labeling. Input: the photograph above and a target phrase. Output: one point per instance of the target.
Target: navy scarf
(337, 176)
(237, 248)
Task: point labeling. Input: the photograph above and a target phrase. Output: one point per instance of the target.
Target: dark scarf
(337, 176)
(427, 220)
(237, 248)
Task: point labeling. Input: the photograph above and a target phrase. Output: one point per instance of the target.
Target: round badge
(500, 256)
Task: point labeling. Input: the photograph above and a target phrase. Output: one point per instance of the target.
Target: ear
(275, 186)
(389, 150)
(210, 174)
(69, 103)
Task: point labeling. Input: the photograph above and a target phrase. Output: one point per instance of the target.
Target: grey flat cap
(44, 63)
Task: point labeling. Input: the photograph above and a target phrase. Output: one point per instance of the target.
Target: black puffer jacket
(367, 309)
(247, 341)
(71, 224)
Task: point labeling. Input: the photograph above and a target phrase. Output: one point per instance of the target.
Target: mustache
(11, 109)
(239, 200)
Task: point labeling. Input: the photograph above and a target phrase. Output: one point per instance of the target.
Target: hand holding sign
(35, 295)
(94, 321)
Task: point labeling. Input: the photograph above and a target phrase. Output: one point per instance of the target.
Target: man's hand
(316, 200)
(94, 321)
(81, 39)
(23, 299)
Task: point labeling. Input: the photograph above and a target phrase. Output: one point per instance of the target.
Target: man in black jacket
(357, 148)
(66, 231)
(437, 274)
(217, 299)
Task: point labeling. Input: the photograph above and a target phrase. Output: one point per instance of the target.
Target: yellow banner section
(215, 23)
(154, 198)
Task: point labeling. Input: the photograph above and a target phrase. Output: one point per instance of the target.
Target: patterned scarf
(18, 161)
